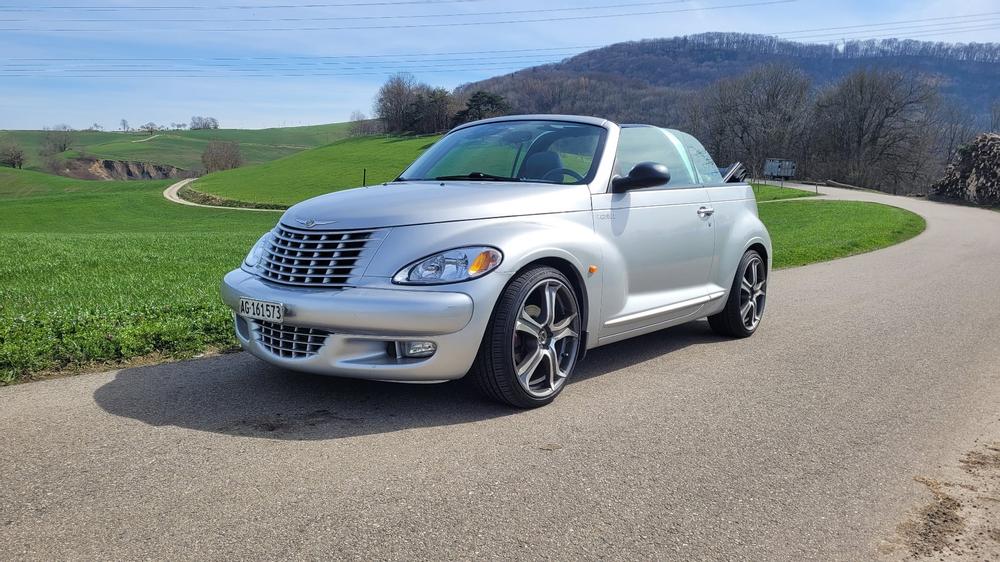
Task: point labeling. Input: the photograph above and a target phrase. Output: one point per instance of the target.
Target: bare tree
(198, 122)
(760, 114)
(55, 140)
(362, 126)
(221, 155)
(872, 129)
(149, 128)
(954, 127)
(394, 100)
(358, 119)
(124, 125)
(11, 155)
(95, 127)
(406, 106)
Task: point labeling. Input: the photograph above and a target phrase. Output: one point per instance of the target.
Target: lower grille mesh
(289, 341)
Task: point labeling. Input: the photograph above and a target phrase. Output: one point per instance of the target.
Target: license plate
(262, 310)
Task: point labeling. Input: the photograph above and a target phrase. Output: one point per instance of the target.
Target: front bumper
(363, 324)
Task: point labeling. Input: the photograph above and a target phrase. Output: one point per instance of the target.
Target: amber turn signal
(485, 261)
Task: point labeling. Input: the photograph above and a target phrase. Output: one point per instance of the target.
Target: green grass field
(101, 272)
(804, 232)
(183, 148)
(313, 172)
(105, 271)
(765, 193)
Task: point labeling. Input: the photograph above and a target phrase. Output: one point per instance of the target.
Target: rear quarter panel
(737, 228)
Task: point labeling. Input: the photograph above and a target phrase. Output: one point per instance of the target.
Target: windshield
(537, 151)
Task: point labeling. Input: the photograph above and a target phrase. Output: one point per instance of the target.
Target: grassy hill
(182, 148)
(313, 172)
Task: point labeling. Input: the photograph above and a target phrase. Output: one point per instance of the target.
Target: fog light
(417, 348)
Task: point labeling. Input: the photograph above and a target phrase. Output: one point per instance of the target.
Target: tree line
(873, 127)
(197, 123)
(218, 155)
(854, 49)
(405, 106)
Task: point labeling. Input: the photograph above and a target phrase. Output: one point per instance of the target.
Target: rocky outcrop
(103, 169)
(974, 174)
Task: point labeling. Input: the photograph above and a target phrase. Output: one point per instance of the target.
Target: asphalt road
(801, 442)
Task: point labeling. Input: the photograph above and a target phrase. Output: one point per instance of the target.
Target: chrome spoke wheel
(753, 292)
(546, 338)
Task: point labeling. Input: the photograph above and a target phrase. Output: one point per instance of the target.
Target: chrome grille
(290, 342)
(324, 258)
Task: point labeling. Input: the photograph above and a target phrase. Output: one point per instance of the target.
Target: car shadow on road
(239, 395)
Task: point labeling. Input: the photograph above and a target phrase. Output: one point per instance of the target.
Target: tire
(747, 295)
(535, 325)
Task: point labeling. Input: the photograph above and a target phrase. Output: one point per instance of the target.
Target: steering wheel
(562, 172)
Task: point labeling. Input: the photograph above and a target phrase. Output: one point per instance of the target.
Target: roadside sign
(779, 168)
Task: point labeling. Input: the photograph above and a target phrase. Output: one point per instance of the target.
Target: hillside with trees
(656, 68)
(884, 114)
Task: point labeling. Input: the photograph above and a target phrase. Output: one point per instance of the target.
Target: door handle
(705, 212)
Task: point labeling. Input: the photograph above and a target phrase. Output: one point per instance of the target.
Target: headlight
(257, 252)
(452, 266)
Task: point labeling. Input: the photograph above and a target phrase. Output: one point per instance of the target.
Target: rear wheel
(745, 306)
(533, 340)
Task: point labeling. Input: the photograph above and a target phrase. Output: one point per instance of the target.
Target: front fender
(523, 240)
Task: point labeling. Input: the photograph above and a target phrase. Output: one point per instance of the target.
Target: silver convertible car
(505, 252)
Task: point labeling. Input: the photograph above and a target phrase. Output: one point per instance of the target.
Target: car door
(661, 240)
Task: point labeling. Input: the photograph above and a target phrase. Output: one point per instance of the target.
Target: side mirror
(644, 174)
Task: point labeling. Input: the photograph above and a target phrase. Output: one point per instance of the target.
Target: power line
(269, 75)
(380, 17)
(941, 26)
(370, 64)
(417, 26)
(947, 31)
(784, 34)
(23, 67)
(236, 6)
(235, 69)
(366, 56)
(885, 23)
(305, 64)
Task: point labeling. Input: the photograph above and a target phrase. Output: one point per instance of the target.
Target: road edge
(171, 194)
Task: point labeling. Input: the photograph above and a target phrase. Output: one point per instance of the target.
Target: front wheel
(745, 306)
(532, 342)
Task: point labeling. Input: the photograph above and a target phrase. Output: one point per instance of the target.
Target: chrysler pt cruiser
(505, 252)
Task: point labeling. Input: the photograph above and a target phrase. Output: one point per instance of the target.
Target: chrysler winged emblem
(309, 223)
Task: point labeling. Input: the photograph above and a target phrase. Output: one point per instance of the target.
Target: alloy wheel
(753, 292)
(546, 338)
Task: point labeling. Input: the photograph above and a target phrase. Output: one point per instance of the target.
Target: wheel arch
(762, 250)
(572, 272)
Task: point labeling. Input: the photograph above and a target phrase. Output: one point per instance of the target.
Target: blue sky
(260, 66)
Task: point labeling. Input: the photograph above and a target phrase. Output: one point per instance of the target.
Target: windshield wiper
(479, 176)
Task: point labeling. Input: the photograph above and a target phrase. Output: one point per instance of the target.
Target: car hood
(410, 203)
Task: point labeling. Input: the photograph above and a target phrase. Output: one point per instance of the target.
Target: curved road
(801, 442)
(171, 194)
